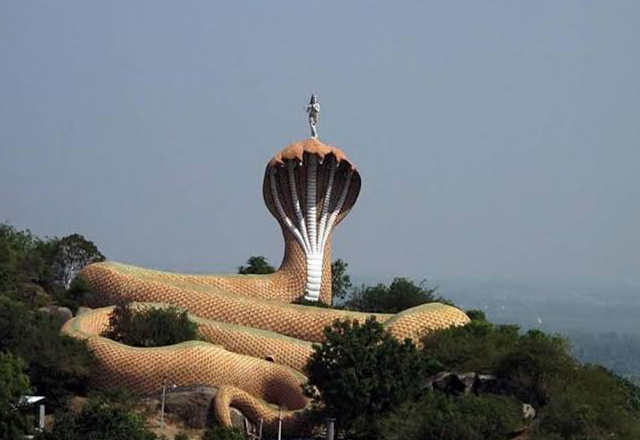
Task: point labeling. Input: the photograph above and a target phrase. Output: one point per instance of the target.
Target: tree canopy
(361, 372)
(257, 265)
(71, 254)
(340, 280)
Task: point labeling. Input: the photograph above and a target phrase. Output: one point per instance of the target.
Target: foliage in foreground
(574, 401)
(362, 372)
(371, 384)
(150, 326)
(436, 415)
(57, 365)
(14, 383)
(222, 433)
(100, 419)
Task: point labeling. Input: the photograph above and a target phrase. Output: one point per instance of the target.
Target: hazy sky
(495, 139)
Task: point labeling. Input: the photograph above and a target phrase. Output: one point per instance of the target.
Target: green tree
(257, 265)
(150, 326)
(340, 280)
(21, 258)
(401, 294)
(28, 264)
(361, 372)
(14, 383)
(72, 253)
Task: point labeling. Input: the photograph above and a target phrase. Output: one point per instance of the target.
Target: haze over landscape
(498, 141)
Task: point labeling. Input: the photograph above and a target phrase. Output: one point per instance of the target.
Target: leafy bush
(362, 372)
(401, 294)
(438, 416)
(100, 419)
(150, 326)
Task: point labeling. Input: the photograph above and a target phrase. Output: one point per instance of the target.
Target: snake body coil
(257, 343)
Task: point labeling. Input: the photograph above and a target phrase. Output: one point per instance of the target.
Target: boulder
(528, 411)
(193, 405)
(63, 314)
(461, 383)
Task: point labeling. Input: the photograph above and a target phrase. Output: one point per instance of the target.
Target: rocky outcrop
(461, 383)
(193, 405)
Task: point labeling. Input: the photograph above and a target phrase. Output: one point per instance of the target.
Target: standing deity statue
(313, 110)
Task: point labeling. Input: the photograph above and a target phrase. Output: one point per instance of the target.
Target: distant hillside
(602, 323)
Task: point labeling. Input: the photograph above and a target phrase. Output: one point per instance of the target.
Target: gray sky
(495, 139)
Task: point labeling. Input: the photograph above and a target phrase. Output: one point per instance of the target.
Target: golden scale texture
(256, 342)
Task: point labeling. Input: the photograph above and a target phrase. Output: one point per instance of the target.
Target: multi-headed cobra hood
(309, 187)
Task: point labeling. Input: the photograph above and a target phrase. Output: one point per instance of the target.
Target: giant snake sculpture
(256, 341)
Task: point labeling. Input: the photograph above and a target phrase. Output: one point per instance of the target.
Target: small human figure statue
(313, 110)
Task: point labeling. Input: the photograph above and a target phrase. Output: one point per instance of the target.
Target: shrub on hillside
(150, 326)
(401, 294)
(100, 419)
(477, 346)
(537, 367)
(573, 401)
(256, 265)
(594, 403)
(52, 263)
(58, 365)
(438, 416)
